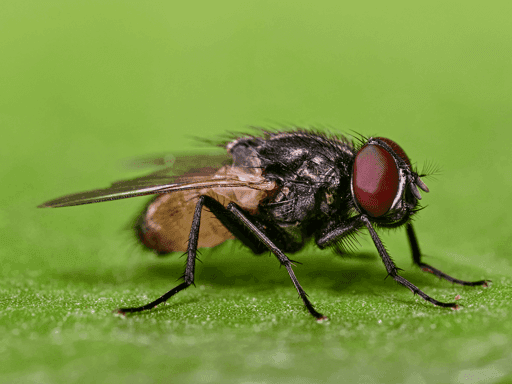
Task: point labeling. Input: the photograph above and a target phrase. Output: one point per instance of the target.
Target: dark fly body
(274, 192)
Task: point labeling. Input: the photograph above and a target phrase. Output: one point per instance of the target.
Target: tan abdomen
(165, 226)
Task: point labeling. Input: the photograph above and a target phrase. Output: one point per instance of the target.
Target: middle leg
(283, 259)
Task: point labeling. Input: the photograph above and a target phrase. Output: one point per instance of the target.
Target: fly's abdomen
(165, 224)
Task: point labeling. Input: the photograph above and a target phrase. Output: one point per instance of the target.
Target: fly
(274, 192)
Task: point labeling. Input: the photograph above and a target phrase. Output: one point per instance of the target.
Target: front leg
(416, 257)
(393, 270)
(353, 226)
(338, 234)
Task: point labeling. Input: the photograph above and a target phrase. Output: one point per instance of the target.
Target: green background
(86, 85)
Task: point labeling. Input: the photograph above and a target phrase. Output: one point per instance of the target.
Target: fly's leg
(283, 259)
(393, 270)
(189, 268)
(338, 233)
(416, 256)
(231, 217)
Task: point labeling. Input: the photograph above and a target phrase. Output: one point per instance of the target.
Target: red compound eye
(375, 179)
(398, 150)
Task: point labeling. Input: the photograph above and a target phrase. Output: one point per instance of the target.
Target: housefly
(274, 191)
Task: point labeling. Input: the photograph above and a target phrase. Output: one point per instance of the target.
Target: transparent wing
(207, 171)
(181, 162)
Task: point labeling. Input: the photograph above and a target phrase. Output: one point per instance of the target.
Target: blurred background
(86, 85)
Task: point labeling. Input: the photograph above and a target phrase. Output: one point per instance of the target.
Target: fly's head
(384, 186)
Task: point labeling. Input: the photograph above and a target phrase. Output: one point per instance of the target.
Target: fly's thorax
(292, 203)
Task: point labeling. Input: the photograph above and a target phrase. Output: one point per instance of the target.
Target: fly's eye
(397, 149)
(375, 179)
